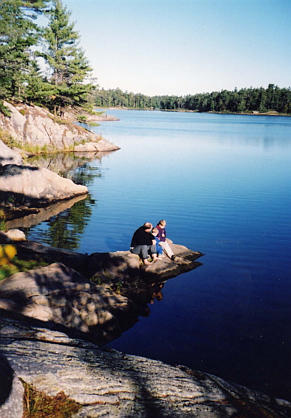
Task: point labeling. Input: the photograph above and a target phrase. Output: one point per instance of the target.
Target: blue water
(223, 183)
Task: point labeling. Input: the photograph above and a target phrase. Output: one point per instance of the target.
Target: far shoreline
(254, 113)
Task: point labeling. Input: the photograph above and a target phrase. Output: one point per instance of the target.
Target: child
(162, 237)
(159, 249)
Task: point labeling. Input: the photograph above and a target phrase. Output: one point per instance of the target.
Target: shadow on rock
(100, 295)
(6, 379)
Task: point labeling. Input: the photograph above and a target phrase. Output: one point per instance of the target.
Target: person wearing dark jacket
(143, 243)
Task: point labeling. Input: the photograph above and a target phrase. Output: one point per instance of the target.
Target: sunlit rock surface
(9, 156)
(80, 290)
(101, 294)
(34, 125)
(128, 266)
(37, 183)
(12, 235)
(101, 146)
(48, 315)
(59, 294)
(110, 383)
(24, 187)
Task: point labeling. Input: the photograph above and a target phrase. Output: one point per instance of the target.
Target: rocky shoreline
(74, 289)
(33, 129)
(54, 319)
(114, 384)
(30, 130)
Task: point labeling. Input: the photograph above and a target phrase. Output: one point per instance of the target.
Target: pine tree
(18, 33)
(67, 63)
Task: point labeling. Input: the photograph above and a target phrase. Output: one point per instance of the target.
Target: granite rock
(110, 383)
(9, 156)
(36, 126)
(24, 187)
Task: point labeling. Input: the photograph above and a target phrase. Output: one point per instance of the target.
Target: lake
(223, 183)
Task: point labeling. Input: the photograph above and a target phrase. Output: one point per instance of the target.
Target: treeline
(40, 60)
(244, 100)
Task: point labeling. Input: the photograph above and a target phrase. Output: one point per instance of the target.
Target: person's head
(155, 231)
(162, 223)
(147, 226)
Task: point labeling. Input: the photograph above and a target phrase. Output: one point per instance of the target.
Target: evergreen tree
(18, 33)
(67, 63)
(244, 100)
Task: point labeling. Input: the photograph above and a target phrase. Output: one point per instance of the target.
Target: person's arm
(132, 244)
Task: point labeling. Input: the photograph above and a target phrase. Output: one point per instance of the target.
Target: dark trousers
(144, 250)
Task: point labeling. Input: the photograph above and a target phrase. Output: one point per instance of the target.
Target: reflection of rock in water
(63, 230)
(43, 214)
(65, 164)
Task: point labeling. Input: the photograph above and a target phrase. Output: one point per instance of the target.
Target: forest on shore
(42, 63)
(40, 58)
(248, 100)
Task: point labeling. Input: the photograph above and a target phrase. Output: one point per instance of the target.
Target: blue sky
(185, 46)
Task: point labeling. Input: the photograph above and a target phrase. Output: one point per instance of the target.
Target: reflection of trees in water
(85, 175)
(64, 229)
(71, 166)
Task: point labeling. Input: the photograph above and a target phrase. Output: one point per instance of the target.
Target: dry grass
(37, 404)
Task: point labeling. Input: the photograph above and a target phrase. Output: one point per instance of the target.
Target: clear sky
(185, 46)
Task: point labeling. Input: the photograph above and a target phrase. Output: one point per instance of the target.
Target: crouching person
(142, 243)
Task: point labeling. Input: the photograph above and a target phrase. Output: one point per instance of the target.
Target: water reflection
(74, 166)
(43, 214)
(64, 229)
(138, 305)
(65, 221)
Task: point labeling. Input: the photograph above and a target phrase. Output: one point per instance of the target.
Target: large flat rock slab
(110, 383)
(113, 266)
(61, 295)
(24, 188)
(37, 183)
(127, 266)
(101, 295)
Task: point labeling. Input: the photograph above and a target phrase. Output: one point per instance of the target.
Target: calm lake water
(223, 183)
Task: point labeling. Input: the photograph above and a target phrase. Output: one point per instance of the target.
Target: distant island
(257, 101)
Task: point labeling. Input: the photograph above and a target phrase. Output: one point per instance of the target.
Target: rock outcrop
(101, 146)
(26, 187)
(101, 294)
(61, 295)
(12, 235)
(99, 116)
(8, 156)
(110, 383)
(48, 315)
(35, 126)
